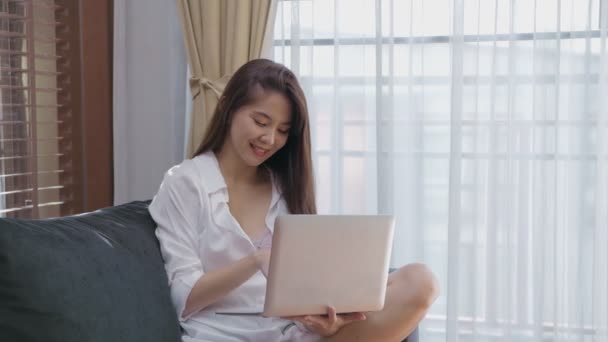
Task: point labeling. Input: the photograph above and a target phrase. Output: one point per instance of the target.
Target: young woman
(215, 215)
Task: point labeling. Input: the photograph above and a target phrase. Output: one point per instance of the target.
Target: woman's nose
(268, 137)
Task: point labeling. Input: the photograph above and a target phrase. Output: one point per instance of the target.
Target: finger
(294, 317)
(313, 326)
(316, 320)
(353, 316)
(331, 315)
(300, 319)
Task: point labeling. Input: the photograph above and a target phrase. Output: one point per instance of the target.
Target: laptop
(322, 260)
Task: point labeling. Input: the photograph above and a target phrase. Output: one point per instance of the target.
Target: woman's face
(260, 128)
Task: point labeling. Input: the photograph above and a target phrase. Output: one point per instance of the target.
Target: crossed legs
(410, 292)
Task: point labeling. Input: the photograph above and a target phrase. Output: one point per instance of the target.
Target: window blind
(39, 166)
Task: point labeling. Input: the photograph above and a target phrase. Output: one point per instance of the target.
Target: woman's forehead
(273, 105)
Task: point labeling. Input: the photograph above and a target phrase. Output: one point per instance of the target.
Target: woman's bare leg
(410, 292)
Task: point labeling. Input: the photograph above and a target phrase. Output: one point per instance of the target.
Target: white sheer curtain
(483, 126)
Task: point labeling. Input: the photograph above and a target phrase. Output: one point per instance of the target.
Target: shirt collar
(210, 172)
(276, 195)
(214, 180)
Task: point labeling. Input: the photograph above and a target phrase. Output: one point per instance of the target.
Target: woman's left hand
(327, 325)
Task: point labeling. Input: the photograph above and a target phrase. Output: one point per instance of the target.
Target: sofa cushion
(92, 277)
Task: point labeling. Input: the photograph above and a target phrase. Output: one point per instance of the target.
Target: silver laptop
(321, 260)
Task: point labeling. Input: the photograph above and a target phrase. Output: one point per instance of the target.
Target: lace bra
(263, 242)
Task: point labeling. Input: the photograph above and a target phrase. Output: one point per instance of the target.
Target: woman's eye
(261, 124)
(284, 132)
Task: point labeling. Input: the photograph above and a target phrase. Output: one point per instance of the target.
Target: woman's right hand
(215, 285)
(262, 260)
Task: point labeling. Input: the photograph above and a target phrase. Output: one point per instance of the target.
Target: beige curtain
(220, 36)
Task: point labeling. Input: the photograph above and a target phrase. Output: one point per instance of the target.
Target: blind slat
(29, 174)
(26, 139)
(37, 156)
(24, 18)
(20, 122)
(8, 52)
(37, 72)
(21, 191)
(41, 3)
(8, 34)
(17, 52)
(20, 105)
(3, 86)
(12, 16)
(26, 207)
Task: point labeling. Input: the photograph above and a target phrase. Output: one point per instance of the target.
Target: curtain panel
(482, 125)
(220, 36)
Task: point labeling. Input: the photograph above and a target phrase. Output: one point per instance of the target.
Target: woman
(215, 215)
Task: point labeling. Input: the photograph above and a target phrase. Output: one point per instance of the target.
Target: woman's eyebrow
(269, 117)
(262, 114)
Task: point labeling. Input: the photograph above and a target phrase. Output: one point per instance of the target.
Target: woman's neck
(234, 170)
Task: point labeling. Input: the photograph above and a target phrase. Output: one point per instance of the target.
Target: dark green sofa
(96, 277)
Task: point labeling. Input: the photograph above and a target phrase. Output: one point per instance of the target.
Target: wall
(149, 96)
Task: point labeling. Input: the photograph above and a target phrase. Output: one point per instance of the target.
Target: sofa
(94, 277)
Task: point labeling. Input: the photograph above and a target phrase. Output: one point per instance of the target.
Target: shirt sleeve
(177, 209)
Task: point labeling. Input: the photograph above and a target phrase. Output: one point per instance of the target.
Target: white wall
(149, 96)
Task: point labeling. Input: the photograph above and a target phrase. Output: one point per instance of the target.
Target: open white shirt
(198, 234)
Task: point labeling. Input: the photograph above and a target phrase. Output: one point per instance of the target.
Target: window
(42, 126)
(484, 143)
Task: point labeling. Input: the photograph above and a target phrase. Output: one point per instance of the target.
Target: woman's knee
(419, 284)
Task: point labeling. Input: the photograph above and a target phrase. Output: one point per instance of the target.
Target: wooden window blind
(40, 156)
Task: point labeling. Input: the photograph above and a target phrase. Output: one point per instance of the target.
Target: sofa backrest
(92, 277)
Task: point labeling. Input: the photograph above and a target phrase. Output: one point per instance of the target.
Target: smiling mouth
(260, 152)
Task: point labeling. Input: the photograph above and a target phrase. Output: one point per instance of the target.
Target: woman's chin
(253, 160)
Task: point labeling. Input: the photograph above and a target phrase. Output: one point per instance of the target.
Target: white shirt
(198, 234)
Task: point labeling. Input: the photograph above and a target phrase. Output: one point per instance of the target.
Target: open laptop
(321, 260)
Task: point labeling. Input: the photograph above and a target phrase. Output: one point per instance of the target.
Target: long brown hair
(292, 164)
